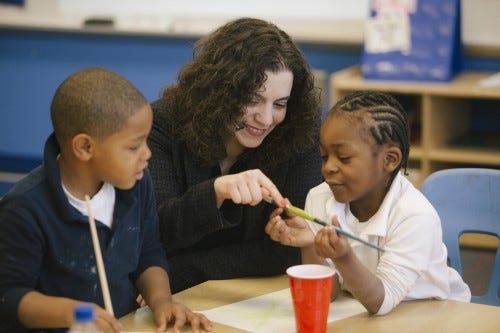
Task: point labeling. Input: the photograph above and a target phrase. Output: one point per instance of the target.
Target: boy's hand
(329, 244)
(105, 321)
(165, 312)
(140, 301)
(291, 231)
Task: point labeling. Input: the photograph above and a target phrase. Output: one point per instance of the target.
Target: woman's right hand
(291, 231)
(247, 187)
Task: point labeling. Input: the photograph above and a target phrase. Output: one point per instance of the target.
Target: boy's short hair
(94, 101)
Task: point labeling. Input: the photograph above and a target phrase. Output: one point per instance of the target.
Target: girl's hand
(291, 231)
(329, 244)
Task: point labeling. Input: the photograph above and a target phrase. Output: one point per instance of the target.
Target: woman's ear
(392, 158)
(82, 146)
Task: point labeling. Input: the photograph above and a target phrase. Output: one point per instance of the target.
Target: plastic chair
(4, 187)
(467, 201)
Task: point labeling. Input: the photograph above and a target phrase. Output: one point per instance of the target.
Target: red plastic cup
(311, 288)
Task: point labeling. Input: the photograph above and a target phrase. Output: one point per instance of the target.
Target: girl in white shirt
(364, 143)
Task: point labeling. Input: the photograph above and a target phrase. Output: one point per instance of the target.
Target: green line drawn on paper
(277, 307)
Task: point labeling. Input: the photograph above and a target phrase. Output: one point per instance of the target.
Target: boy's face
(120, 159)
(352, 166)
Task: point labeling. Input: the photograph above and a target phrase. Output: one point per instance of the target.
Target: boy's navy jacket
(46, 245)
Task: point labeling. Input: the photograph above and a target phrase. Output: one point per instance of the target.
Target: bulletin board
(417, 40)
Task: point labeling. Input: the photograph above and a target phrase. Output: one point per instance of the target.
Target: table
(412, 316)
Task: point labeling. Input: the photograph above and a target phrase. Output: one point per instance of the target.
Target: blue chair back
(5, 187)
(467, 201)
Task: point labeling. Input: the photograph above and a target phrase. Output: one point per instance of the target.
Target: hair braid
(391, 120)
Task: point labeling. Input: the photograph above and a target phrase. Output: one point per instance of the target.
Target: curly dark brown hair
(227, 69)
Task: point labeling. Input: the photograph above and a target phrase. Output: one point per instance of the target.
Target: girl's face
(266, 111)
(352, 165)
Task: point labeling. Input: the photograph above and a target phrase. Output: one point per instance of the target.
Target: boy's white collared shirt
(102, 204)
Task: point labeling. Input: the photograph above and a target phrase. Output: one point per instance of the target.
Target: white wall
(320, 9)
(480, 25)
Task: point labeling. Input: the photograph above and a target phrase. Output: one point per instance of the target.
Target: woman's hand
(247, 187)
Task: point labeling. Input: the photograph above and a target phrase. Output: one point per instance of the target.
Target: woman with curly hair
(240, 124)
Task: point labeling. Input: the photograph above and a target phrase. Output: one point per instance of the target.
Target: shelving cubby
(452, 124)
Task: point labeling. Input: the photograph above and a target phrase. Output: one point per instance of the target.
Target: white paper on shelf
(492, 81)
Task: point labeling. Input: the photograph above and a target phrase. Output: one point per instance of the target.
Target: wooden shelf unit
(445, 111)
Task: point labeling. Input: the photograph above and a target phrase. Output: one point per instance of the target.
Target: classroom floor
(477, 267)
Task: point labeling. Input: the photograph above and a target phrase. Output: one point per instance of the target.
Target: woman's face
(266, 111)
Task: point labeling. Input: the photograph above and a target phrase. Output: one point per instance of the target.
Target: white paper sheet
(273, 312)
(387, 34)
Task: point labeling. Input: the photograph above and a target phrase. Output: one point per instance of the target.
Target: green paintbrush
(299, 212)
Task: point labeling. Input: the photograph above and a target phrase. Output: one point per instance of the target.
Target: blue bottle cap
(84, 313)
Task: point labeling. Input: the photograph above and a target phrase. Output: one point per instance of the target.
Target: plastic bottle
(83, 320)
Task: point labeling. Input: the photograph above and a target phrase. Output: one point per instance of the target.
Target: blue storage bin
(435, 52)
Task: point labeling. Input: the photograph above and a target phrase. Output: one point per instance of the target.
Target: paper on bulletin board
(387, 34)
(412, 40)
(389, 29)
(273, 312)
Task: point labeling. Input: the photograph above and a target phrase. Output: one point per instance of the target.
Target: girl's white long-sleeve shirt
(414, 264)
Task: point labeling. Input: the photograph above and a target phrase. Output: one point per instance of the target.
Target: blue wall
(33, 64)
